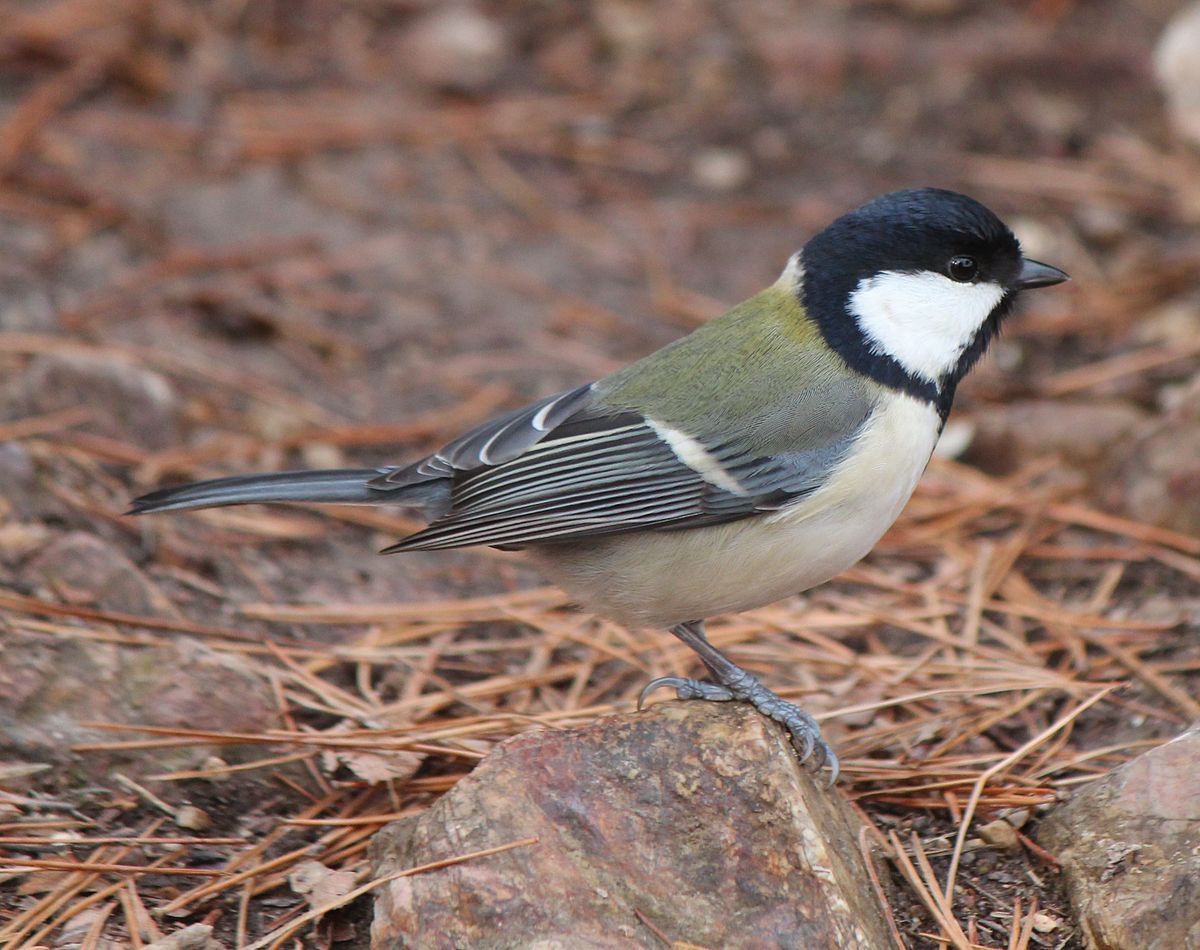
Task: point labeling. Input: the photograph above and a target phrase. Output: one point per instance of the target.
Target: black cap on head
(915, 229)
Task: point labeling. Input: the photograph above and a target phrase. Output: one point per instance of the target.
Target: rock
(1177, 65)
(1174, 323)
(86, 570)
(456, 47)
(16, 465)
(1156, 476)
(128, 401)
(1045, 923)
(20, 494)
(1084, 433)
(1000, 834)
(18, 539)
(191, 818)
(1129, 844)
(690, 819)
(50, 689)
(1145, 466)
(629, 29)
(1103, 223)
(721, 169)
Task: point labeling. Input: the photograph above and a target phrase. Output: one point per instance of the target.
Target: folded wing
(568, 468)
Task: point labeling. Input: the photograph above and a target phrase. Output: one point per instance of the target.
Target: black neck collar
(842, 333)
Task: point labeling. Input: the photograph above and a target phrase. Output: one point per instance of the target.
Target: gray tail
(348, 486)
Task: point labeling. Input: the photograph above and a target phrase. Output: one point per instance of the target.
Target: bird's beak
(1036, 274)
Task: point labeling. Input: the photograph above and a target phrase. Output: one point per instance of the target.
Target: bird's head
(911, 287)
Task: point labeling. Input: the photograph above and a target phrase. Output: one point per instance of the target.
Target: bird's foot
(802, 729)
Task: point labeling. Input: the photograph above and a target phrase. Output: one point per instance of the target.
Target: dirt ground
(298, 233)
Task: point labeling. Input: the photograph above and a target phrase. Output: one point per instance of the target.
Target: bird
(750, 460)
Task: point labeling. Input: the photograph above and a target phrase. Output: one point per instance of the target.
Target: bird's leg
(731, 682)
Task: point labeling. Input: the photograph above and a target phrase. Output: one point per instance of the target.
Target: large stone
(1085, 433)
(127, 400)
(1157, 474)
(1129, 844)
(84, 569)
(21, 495)
(52, 690)
(691, 819)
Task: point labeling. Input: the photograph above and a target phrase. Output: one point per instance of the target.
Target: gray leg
(731, 682)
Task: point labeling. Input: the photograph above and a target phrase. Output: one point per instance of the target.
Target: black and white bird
(752, 459)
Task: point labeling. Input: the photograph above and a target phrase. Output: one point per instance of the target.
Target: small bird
(754, 458)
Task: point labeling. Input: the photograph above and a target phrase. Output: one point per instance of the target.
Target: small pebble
(1000, 834)
(1044, 923)
(456, 47)
(192, 818)
(720, 169)
(1177, 65)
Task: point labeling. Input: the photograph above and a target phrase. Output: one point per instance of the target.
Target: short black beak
(1036, 274)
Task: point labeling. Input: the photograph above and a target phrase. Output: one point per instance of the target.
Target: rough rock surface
(1129, 844)
(691, 819)
(1157, 477)
(84, 569)
(123, 396)
(1083, 433)
(51, 689)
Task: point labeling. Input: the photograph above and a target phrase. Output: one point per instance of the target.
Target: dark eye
(963, 268)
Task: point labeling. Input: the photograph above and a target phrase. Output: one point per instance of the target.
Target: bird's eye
(963, 268)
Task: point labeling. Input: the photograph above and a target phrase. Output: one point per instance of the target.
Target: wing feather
(567, 468)
(493, 443)
(613, 481)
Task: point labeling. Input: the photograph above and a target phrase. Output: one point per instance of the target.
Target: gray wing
(566, 468)
(493, 443)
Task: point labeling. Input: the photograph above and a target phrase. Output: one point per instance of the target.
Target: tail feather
(347, 486)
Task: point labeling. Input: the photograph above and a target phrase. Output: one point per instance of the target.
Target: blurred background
(382, 207)
(375, 209)
(233, 234)
(246, 234)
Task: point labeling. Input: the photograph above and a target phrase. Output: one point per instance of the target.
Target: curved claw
(807, 739)
(676, 682)
(824, 755)
(686, 688)
(835, 767)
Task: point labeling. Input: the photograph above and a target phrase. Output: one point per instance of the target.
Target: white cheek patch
(922, 320)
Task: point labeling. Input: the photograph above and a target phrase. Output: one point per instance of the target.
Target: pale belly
(664, 578)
